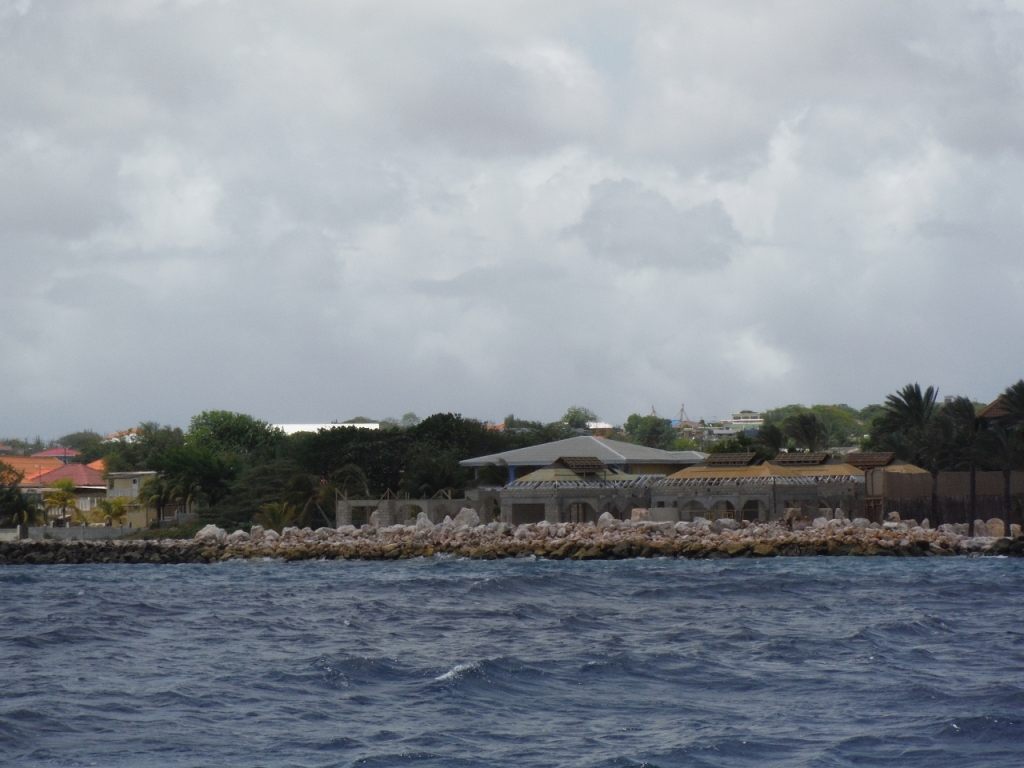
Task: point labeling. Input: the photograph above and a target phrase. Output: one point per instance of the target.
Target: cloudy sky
(312, 210)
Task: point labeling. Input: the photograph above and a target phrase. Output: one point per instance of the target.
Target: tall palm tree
(905, 419)
(111, 511)
(1002, 447)
(1004, 443)
(62, 498)
(907, 427)
(309, 493)
(964, 433)
(806, 430)
(156, 494)
(276, 515)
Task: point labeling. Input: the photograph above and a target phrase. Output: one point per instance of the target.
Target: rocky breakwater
(608, 539)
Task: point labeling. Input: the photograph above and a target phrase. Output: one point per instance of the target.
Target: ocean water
(442, 662)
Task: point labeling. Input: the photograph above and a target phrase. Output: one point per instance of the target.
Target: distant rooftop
(291, 429)
(611, 452)
(59, 453)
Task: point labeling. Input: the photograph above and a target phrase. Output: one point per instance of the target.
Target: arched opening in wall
(613, 510)
(360, 516)
(692, 509)
(406, 514)
(581, 512)
(724, 509)
(751, 510)
(804, 508)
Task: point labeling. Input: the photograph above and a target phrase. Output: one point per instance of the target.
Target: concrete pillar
(506, 512)
(551, 511)
(343, 514)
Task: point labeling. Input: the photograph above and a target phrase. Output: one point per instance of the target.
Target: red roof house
(64, 454)
(80, 474)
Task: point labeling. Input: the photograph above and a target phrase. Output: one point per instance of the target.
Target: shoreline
(568, 541)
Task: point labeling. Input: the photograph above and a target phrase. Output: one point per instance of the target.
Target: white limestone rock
(892, 517)
(996, 527)
(981, 529)
(701, 523)
(640, 515)
(606, 520)
(423, 522)
(724, 524)
(212, 533)
(861, 522)
(374, 519)
(256, 533)
(820, 522)
(237, 537)
(468, 517)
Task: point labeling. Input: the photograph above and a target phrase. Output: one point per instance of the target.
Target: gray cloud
(631, 225)
(313, 210)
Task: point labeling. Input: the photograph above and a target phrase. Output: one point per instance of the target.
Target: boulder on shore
(423, 522)
(606, 520)
(212, 533)
(996, 527)
(640, 515)
(468, 517)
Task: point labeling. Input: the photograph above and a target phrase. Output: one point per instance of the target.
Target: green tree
(229, 432)
(1003, 442)
(313, 496)
(112, 511)
(963, 436)
(198, 475)
(907, 426)
(652, 431)
(143, 449)
(15, 507)
(276, 515)
(806, 431)
(904, 423)
(577, 417)
(62, 499)
(156, 494)
(430, 471)
(770, 440)
(88, 443)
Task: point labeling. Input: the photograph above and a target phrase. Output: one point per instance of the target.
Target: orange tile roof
(100, 465)
(81, 475)
(31, 466)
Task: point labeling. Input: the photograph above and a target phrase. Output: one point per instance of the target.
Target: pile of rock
(464, 536)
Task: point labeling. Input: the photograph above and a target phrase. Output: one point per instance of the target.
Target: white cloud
(312, 210)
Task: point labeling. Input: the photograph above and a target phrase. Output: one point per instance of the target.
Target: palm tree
(62, 499)
(907, 427)
(1003, 445)
(769, 440)
(276, 515)
(156, 494)
(111, 511)
(15, 507)
(311, 493)
(806, 430)
(905, 419)
(350, 480)
(963, 432)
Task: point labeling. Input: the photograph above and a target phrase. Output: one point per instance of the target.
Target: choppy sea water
(785, 662)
